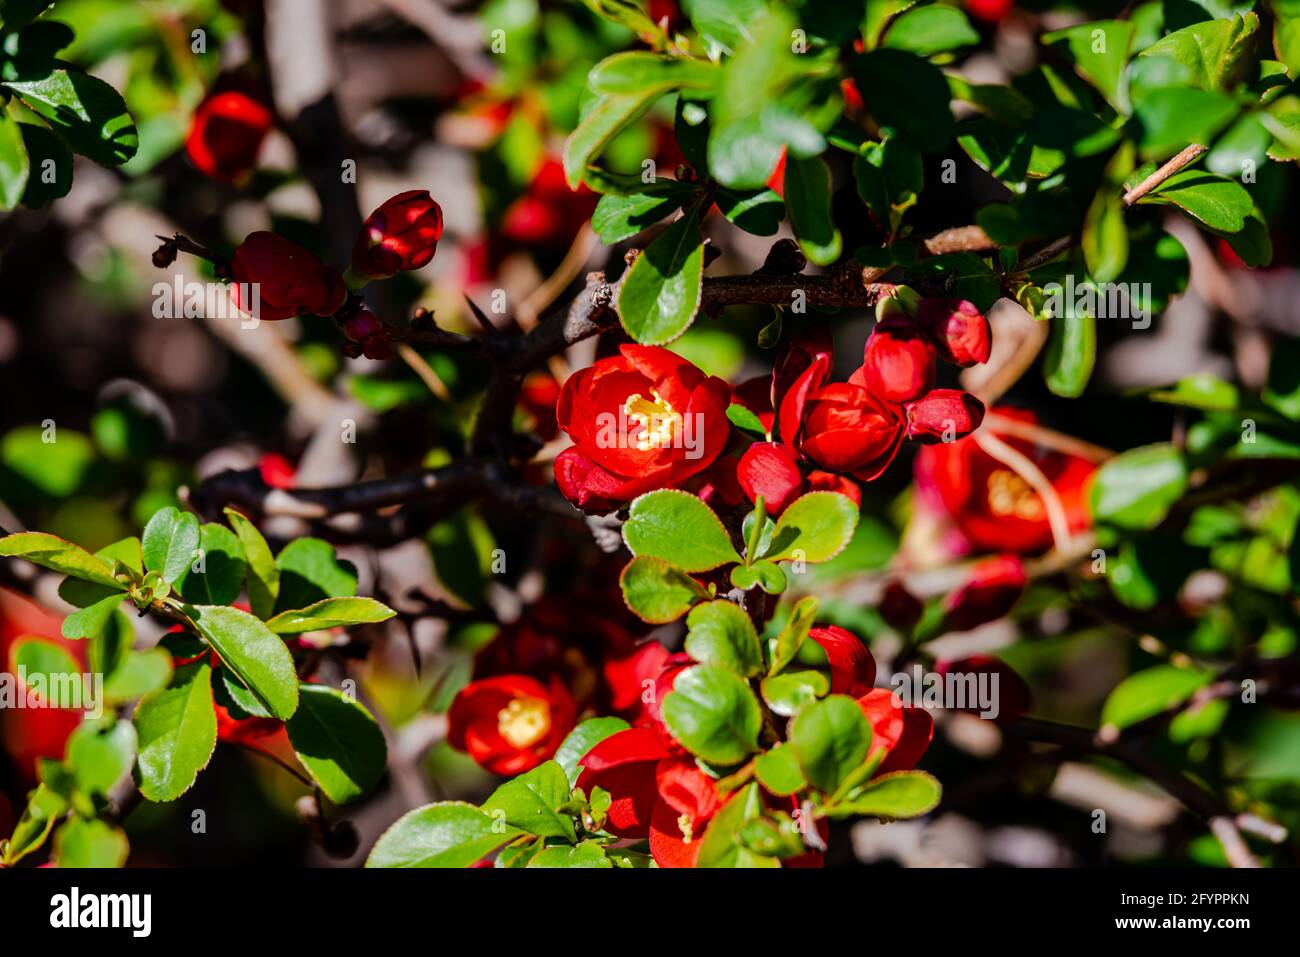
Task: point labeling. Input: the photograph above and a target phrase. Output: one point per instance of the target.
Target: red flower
(770, 470)
(275, 279)
(992, 506)
(642, 420)
(989, 10)
(902, 730)
(819, 481)
(847, 429)
(957, 330)
(401, 234)
(537, 397)
(897, 363)
(853, 670)
(512, 723)
(628, 677)
(1013, 696)
(226, 135)
(995, 585)
(943, 415)
(653, 793)
(549, 214)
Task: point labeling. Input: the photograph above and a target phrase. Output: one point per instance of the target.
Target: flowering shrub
(663, 574)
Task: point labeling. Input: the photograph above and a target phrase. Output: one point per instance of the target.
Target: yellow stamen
(685, 826)
(1009, 494)
(656, 420)
(524, 721)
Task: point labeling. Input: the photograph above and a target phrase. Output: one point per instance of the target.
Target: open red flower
(853, 670)
(512, 723)
(226, 134)
(644, 419)
(654, 793)
(992, 506)
(401, 234)
(275, 279)
(904, 731)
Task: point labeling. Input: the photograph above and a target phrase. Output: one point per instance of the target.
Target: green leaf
(714, 715)
(338, 741)
(310, 570)
(929, 30)
(757, 211)
(606, 117)
(1071, 354)
(1099, 51)
(222, 568)
(889, 177)
(679, 528)
(902, 794)
(720, 633)
(1105, 236)
(1215, 201)
(330, 613)
(745, 420)
(586, 854)
(657, 592)
(619, 217)
(726, 24)
(660, 294)
(101, 754)
(778, 770)
(263, 572)
(90, 843)
(814, 528)
(44, 807)
(1171, 117)
(1208, 392)
(789, 692)
(793, 634)
(908, 94)
(626, 13)
(532, 801)
(1215, 52)
(1135, 489)
(582, 739)
(88, 622)
(170, 542)
(50, 164)
(638, 72)
(58, 555)
(764, 574)
(1282, 390)
(450, 834)
(1147, 693)
(462, 549)
(177, 731)
(49, 671)
(253, 652)
(808, 199)
(831, 738)
(86, 112)
(138, 673)
(721, 845)
(14, 165)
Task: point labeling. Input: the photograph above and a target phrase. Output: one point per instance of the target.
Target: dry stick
(425, 371)
(1163, 173)
(540, 299)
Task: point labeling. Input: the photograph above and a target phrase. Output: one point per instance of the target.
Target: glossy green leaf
(793, 633)
(582, 739)
(722, 845)
(101, 754)
(90, 621)
(779, 772)
(619, 217)
(1149, 692)
(217, 576)
(830, 738)
(170, 542)
(1135, 489)
(1071, 354)
(310, 571)
(679, 528)
(814, 528)
(338, 741)
(58, 555)
(450, 834)
(605, 118)
(330, 613)
(14, 164)
(1214, 201)
(712, 712)
(791, 691)
(586, 854)
(1099, 51)
(763, 574)
(660, 294)
(638, 72)
(720, 633)
(95, 843)
(263, 572)
(657, 592)
(808, 200)
(902, 794)
(253, 652)
(50, 166)
(531, 802)
(86, 112)
(929, 30)
(177, 732)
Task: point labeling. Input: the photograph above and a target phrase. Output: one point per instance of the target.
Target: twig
(1171, 167)
(1033, 475)
(1047, 438)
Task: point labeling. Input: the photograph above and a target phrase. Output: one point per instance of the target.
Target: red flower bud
(900, 608)
(995, 585)
(957, 330)
(377, 347)
(853, 670)
(770, 470)
(902, 730)
(275, 279)
(401, 234)
(226, 135)
(511, 723)
(846, 429)
(943, 415)
(897, 363)
(362, 326)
